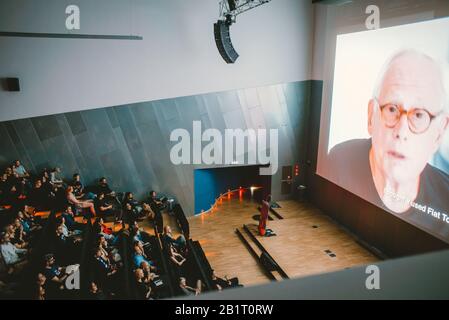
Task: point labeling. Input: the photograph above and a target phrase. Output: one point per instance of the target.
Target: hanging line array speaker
(223, 42)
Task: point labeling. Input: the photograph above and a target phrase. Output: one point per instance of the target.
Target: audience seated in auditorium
(41, 284)
(65, 246)
(149, 271)
(49, 189)
(15, 236)
(100, 228)
(39, 197)
(129, 214)
(20, 169)
(80, 204)
(9, 171)
(53, 272)
(179, 242)
(4, 188)
(66, 231)
(15, 179)
(12, 190)
(155, 202)
(177, 258)
(103, 205)
(153, 279)
(22, 184)
(224, 283)
(104, 253)
(189, 291)
(139, 255)
(78, 189)
(96, 293)
(140, 210)
(103, 187)
(55, 177)
(109, 251)
(11, 174)
(143, 288)
(105, 272)
(15, 196)
(129, 198)
(28, 224)
(147, 211)
(69, 219)
(55, 194)
(29, 193)
(13, 256)
(45, 177)
(138, 234)
(55, 275)
(19, 233)
(41, 293)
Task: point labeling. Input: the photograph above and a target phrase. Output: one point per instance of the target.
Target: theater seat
(42, 214)
(79, 219)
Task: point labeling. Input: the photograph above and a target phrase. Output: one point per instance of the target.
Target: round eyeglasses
(418, 120)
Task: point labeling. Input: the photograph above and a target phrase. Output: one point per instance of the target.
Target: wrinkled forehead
(413, 81)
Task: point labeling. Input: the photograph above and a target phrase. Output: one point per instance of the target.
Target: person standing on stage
(264, 215)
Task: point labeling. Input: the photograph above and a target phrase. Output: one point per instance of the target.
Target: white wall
(177, 56)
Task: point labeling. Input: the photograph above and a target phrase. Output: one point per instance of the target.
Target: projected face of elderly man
(406, 121)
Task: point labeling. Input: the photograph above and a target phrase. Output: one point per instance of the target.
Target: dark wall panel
(76, 122)
(32, 144)
(130, 145)
(46, 127)
(112, 117)
(6, 144)
(100, 130)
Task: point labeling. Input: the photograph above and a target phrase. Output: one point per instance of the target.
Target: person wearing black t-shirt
(105, 272)
(407, 120)
(55, 276)
(5, 186)
(129, 198)
(38, 196)
(143, 288)
(41, 286)
(156, 203)
(96, 293)
(103, 187)
(77, 185)
(225, 283)
(103, 205)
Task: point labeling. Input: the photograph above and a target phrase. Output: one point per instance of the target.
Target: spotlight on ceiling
(229, 10)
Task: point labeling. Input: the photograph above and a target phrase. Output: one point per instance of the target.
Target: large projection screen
(388, 137)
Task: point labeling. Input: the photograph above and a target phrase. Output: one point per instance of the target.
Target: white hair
(442, 68)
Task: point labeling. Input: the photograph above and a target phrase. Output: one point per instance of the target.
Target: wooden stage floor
(305, 241)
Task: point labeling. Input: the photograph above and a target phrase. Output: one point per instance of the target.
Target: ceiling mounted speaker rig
(223, 42)
(229, 10)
